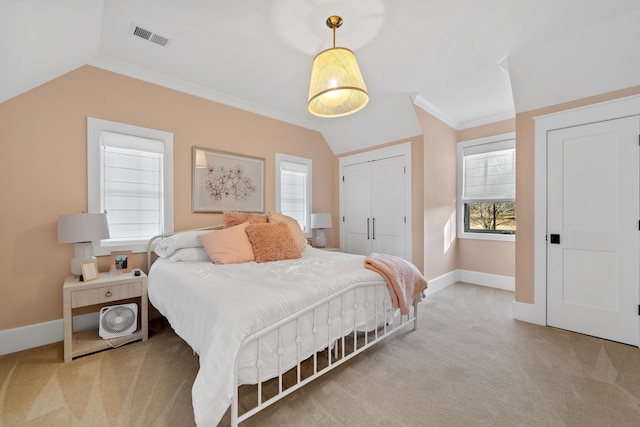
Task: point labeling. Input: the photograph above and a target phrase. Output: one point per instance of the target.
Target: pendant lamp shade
(337, 87)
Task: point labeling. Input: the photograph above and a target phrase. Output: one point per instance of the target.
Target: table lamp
(82, 229)
(320, 222)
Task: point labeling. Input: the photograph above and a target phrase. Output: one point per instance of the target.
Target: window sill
(488, 236)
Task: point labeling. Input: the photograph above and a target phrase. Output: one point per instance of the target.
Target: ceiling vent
(149, 35)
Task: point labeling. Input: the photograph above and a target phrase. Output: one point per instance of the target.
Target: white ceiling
(450, 57)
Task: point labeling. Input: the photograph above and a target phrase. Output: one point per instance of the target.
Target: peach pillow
(236, 218)
(229, 245)
(294, 227)
(272, 242)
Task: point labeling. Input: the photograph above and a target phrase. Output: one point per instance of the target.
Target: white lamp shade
(83, 227)
(336, 87)
(321, 220)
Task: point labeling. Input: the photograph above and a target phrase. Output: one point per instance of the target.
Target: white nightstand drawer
(84, 297)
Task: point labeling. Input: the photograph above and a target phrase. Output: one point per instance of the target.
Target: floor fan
(118, 320)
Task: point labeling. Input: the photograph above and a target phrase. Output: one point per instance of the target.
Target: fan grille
(117, 319)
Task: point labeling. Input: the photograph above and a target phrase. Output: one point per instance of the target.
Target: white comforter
(215, 307)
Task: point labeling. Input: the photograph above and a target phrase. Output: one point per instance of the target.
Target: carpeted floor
(468, 364)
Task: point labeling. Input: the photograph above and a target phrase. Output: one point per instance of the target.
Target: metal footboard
(336, 337)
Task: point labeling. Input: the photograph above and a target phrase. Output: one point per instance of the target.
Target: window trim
(94, 175)
(280, 157)
(462, 234)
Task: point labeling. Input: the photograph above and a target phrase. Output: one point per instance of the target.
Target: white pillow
(189, 255)
(188, 239)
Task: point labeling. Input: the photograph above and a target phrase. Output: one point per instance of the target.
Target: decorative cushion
(272, 242)
(189, 255)
(168, 245)
(229, 245)
(235, 218)
(294, 227)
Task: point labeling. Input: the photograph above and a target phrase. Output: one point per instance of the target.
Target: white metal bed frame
(358, 339)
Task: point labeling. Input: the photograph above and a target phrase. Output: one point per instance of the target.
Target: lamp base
(83, 252)
(321, 239)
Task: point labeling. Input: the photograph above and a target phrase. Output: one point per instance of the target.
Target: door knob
(554, 239)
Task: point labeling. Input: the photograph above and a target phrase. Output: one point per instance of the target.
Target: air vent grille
(149, 36)
(141, 32)
(162, 41)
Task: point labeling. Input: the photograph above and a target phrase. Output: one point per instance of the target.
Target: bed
(264, 329)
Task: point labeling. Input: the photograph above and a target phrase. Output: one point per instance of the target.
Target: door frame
(609, 110)
(403, 149)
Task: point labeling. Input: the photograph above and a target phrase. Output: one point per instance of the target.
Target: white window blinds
(132, 192)
(293, 192)
(489, 172)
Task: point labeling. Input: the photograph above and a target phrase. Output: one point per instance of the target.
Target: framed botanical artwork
(121, 261)
(226, 182)
(89, 270)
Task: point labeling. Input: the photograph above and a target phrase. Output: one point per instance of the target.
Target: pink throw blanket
(403, 279)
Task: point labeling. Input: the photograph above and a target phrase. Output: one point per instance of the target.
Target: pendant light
(336, 88)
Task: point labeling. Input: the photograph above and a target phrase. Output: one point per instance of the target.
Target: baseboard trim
(529, 313)
(30, 336)
(490, 280)
(473, 277)
(441, 282)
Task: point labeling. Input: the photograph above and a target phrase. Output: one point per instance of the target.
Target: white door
(388, 216)
(356, 226)
(593, 241)
(374, 207)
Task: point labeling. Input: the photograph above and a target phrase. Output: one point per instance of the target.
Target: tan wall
(439, 187)
(417, 194)
(488, 256)
(525, 177)
(43, 171)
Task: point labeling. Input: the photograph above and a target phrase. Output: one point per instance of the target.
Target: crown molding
(150, 76)
(430, 108)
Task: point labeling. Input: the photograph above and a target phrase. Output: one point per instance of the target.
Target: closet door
(356, 210)
(388, 201)
(375, 202)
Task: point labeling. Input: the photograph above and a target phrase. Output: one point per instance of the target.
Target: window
(486, 188)
(293, 189)
(130, 176)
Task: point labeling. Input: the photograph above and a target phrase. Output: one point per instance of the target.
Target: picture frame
(89, 270)
(121, 261)
(224, 181)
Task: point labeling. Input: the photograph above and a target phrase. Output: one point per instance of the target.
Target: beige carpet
(468, 364)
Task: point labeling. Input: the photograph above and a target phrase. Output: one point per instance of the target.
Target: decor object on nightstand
(320, 222)
(89, 270)
(82, 229)
(120, 262)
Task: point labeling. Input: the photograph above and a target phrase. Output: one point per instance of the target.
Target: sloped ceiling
(467, 62)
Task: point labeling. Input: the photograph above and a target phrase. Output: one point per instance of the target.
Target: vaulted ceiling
(468, 62)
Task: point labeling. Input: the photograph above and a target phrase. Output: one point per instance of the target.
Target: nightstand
(108, 289)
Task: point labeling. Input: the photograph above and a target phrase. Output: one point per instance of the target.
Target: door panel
(388, 206)
(356, 237)
(594, 205)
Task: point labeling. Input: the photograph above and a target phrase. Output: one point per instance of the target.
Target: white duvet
(215, 307)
